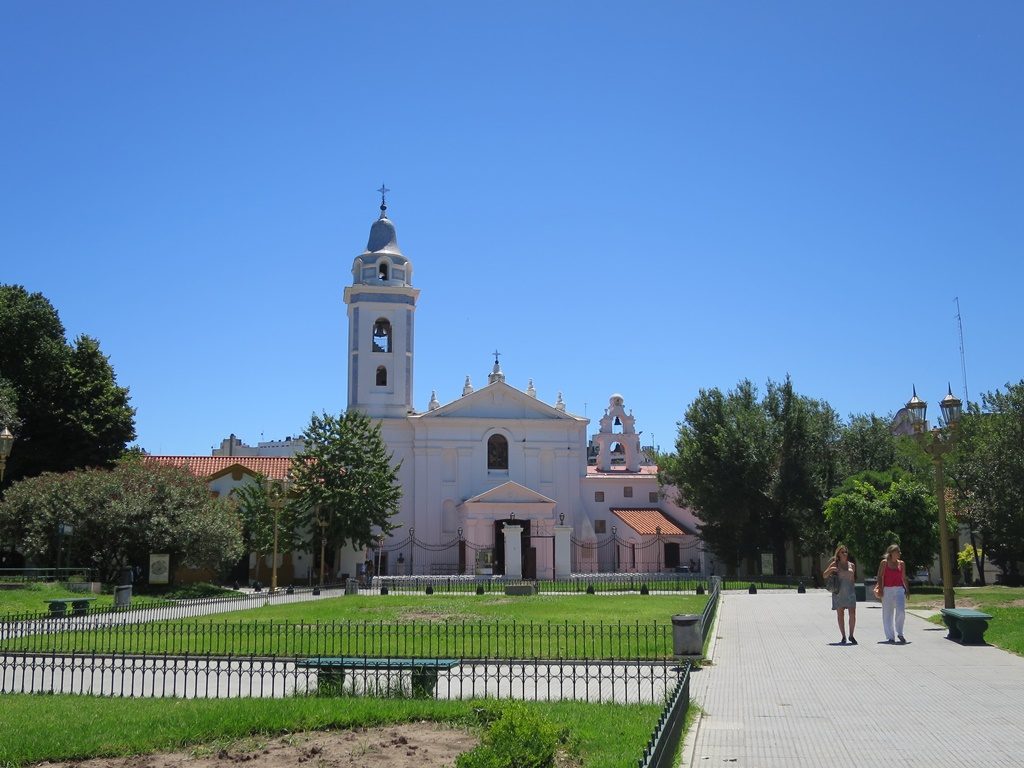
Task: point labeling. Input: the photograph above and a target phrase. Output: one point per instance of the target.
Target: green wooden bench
(79, 605)
(966, 625)
(331, 671)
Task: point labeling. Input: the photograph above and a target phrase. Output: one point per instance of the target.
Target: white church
(496, 482)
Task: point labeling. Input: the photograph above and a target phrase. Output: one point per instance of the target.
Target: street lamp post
(276, 491)
(323, 546)
(6, 443)
(937, 443)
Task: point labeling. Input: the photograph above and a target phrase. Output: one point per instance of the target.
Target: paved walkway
(781, 692)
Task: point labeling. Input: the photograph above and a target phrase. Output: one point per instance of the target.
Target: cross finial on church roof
(496, 354)
(383, 203)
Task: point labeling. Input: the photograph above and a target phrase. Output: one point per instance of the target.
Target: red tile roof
(647, 520)
(274, 467)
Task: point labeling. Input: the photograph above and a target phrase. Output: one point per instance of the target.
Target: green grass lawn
(576, 626)
(1006, 604)
(37, 728)
(32, 597)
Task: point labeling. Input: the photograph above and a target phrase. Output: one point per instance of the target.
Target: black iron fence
(575, 584)
(415, 639)
(210, 676)
(661, 749)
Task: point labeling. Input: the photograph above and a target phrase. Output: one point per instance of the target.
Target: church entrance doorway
(671, 555)
(529, 555)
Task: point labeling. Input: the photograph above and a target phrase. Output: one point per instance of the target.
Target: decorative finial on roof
(560, 404)
(434, 404)
(383, 203)
(530, 389)
(467, 388)
(496, 374)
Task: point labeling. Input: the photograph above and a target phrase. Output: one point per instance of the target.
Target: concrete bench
(331, 671)
(79, 605)
(966, 625)
(520, 589)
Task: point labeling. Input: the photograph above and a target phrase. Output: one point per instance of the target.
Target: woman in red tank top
(893, 588)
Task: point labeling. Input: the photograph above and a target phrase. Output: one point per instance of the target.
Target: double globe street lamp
(277, 493)
(937, 443)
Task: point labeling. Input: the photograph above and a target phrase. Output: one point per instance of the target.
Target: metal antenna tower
(963, 360)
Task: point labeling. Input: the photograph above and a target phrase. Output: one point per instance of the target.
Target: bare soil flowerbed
(410, 745)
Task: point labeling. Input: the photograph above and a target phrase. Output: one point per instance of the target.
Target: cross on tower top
(496, 354)
(383, 203)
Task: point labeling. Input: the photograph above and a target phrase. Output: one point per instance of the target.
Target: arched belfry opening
(383, 271)
(382, 335)
(382, 376)
(617, 441)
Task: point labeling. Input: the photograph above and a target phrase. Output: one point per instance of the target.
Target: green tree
(345, 477)
(757, 471)
(807, 432)
(121, 516)
(865, 444)
(872, 510)
(987, 473)
(70, 412)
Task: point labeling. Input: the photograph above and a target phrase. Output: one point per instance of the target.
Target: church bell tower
(381, 312)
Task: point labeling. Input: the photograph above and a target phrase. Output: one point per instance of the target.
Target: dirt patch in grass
(410, 745)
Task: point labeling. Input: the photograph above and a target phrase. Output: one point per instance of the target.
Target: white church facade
(498, 456)
(496, 461)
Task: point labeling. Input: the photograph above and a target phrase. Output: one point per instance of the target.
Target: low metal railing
(462, 639)
(623, 681)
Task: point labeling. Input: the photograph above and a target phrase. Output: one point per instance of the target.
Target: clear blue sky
(647, 199)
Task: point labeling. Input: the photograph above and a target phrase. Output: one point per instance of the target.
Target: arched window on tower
(497, 452)
(382, 270)
(382, 376)
(382, 335)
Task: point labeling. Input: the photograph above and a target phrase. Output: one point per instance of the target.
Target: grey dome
(383, 238)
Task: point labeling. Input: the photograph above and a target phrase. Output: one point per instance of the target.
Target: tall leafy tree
(987, 471)
(720, 469)
(121, 516)
(69, 410)
(805, 469)
(346, 478)
(866, 444)
(757, 471)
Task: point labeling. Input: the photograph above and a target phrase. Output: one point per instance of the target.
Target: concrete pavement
(780, 691)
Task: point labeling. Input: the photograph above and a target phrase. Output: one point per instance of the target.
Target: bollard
(800, 588)
(752, 589)
(687, 637)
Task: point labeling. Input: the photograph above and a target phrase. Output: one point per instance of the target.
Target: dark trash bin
(123, 596)
(687, 637)
(860, 591)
